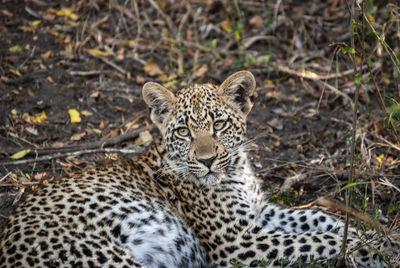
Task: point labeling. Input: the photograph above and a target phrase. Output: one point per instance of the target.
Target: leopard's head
(203, 126)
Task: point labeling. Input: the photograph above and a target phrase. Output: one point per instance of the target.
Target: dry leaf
(6, 13)
(39, 118)
(31, 93)
(47, 55)
(57, 144)
(86, 113)
(95, 95)
(3, 29)
(226, 26)
(77, 136)
(50, 80)
(103, 124)
(139, 79)
(99, 53)
(63, 164)
(152, 69)
(40, 176)
(256, 21)
(112, 156)
(201, 71)
(144, 137)
(15, 72)
(32, 131)
(269, 84)
(50, 14)
(75, 116)
(120, 109)
(112, 133)
(67, 13)
(131, 125)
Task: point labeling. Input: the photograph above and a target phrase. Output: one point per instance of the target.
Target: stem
(349, 191)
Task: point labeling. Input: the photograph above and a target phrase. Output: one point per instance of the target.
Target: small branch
(92, 145)
(8, 174)
(332, 203)
(112, 64)
(28, 58)
(167, 19)
(335, 90)
(86, 73)
(76, 153)
(139, 26)
(387, 143)
(314, 76)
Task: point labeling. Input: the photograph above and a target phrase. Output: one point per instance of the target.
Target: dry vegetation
(71, 74)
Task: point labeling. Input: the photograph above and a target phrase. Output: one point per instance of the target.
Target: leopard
(191, 200)
(207, 172)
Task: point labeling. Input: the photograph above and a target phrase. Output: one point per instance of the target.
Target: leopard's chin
(210, 179)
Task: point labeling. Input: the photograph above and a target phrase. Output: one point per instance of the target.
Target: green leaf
(387, 120)
(352, 50)
(214, 43)
(345, 50)
(370, 63)
(20, 154)
(352, 185)
(366, 81)
(357, 79)
(16, 48)
(265, 58)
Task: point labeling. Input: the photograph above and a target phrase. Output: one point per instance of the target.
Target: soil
(95, 56)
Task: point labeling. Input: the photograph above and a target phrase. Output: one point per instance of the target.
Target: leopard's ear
(239, 89)
(160, 101)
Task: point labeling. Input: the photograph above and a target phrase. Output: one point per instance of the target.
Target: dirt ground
(93, 57)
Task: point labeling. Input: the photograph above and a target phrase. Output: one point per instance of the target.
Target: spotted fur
(112, 216)
(191, 201)
(207, 172)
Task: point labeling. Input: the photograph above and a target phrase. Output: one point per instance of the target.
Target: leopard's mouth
(211, 178)
(208, 176)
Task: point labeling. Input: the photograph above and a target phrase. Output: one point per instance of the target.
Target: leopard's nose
(208, 161)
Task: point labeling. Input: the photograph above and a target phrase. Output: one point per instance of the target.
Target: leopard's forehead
(198, 105)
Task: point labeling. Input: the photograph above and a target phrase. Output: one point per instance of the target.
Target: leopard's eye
(183, 132)
(219, 125)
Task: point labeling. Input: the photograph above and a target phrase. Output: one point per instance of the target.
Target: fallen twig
(335, 90)
(332, 203)
(166, 17)
(76, 153)
(112, 64)
(4, 177)
(86, 73)
(314, 76)
(97, 144)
